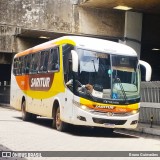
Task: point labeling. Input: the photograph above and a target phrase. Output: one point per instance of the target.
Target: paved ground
(16, 135)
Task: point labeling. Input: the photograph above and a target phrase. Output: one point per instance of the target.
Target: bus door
(68, 108)
(68, 79)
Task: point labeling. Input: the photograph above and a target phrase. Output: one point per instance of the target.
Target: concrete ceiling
(145, 6)
(42, 34)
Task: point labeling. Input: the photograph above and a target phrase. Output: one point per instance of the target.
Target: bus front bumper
(107, 120)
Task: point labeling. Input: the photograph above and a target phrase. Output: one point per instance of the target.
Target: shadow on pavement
(97, 132)
(83, 131)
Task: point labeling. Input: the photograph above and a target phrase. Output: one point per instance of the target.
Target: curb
(4, 105)
(152, 131)
(147, 130)
(7, 106)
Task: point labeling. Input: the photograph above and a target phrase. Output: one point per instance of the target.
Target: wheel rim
(58, 120)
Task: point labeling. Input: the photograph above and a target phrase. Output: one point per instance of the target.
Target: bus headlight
(83, 107)
(134, 111)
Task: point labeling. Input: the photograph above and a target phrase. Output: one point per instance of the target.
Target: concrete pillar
(133, 30)
(100, 22)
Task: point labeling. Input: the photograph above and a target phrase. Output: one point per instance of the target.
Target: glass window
(53, 64)
(35, 63)
(125, 77)
(20, 65)
(67, 61)
(44, 61)
(94, 68)
(24, 65)
(15, 66)
(28, 63)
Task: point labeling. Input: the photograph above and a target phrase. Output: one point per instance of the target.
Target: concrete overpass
(51, 17)
(150, 6)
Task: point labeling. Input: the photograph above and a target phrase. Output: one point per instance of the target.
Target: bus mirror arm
(74, 61)
(148, 70)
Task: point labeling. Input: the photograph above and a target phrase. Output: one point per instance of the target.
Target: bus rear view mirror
(74, 61)
(147, 68)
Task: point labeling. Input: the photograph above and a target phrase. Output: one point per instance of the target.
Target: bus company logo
(105, 107)
(41, 82)
(109, 114)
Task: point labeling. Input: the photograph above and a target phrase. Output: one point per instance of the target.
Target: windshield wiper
(122, 89)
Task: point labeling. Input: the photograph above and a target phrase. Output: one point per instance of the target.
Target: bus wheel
(25, 115)
(58, 123)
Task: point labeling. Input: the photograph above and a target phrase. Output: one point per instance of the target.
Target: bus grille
(110, 121)
(113, 114)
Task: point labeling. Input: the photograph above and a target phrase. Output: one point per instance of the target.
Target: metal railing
(150, 113)
(150, 92)
(150, 102)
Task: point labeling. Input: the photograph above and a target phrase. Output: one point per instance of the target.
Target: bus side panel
(15, 94)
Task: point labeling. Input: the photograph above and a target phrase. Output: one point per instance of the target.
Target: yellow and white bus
(78, 80)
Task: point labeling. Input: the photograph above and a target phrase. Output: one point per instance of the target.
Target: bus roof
(101, 45)
(89, 43)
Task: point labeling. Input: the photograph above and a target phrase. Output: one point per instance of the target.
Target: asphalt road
(17, 135)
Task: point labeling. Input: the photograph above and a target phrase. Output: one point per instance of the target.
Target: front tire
(58, 123)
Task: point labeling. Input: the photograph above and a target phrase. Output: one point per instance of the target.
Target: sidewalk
(146, 128)
(142, 128)
(4, 105)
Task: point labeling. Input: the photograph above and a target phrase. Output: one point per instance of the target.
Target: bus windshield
(106, 76)
(125, 77)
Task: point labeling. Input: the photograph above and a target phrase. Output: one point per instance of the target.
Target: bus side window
(53, 64)
(24, 65)
(37, 61)
(28, 62)
(67, 61)
(15, 66)
(34, 63)
(20, 65)
(44, 61)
